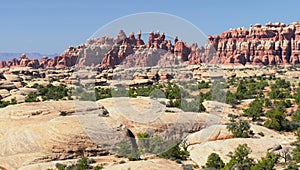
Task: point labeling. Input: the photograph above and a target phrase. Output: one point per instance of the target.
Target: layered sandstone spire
(269, 44)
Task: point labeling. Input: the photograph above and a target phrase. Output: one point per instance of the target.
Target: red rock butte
(269, 44)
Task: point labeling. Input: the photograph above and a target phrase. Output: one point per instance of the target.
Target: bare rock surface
(153, 164)
(34, 133)
(143, 114)
(17, 97)
(4, 93)
(218, 142)
(211, 133)
(4, 84)
(46, 131)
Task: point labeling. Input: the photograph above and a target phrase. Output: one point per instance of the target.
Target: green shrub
(267, 162)
(83, 164)
(175, 153)
(239, 129)
(6, 103)
(134, 155)
(23, 83)
(255, 109)
(280, 89)
(239, 158)
(53, 92)
(149, 144)
(296, 116)
(172, 91)
(32, 97)
(13, 101)
(273, 124)
(98, 167)
(87, 96)
(170, 111)
(192, 106)
(203, 85)
(297, 96)
(102, 93)
(296, 153)
(278, 121)
(292, 166)
(267, 102)
(61, 166)
(232, 99)
(48, 92)
(123, 149)
(233, 116)
(214, 161)
(217, 90)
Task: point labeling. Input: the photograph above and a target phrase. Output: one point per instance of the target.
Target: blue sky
(50, 26)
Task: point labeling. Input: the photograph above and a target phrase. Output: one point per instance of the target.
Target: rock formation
(269, 44)
(48, 131)
(272, 44)
(215, 139)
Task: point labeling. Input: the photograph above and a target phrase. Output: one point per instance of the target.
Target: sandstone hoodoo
(274, 43)
(269, 44)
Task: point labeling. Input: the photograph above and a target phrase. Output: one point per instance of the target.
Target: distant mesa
(269, 44)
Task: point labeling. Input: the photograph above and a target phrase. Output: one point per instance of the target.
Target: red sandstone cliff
(271, 44)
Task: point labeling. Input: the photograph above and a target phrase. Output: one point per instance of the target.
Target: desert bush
(268, 162)
(255, 109)
(124, 148)
(32, 97)
(239, 129)
(214, 161)
(239, 158)
(175, 153)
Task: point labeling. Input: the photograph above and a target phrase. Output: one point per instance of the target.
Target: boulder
(7, 85)
(24, 91)
(211, 133)
(4, 93)
(259, 145)
(143, 114)
(33, 133)
(12, 77)
(153, 164)
(214, 106)
(19, 98)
